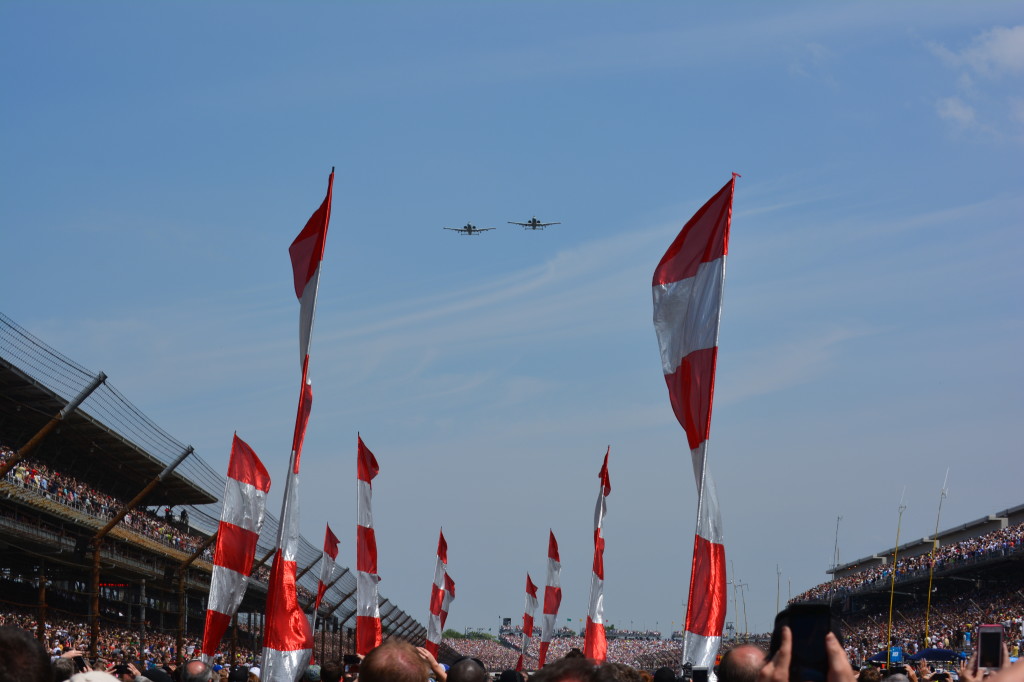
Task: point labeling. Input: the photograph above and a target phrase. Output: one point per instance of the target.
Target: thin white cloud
(956, 110)
(992, 58)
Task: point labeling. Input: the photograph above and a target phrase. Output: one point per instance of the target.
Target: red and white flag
(327, 566)
(307, 252)
(437, 598)
(241, 518)
(552, 599)
(688, 285)
(595, 645)
(368, 628)
(531, 608)
(288, 637)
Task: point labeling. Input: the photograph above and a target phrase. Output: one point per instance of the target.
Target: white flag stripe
(596, 599)
(227, 588)
(701, 649)
(244, 505)
(307, 309)
(686, 313)
(366, 592)
(287, 665)
(364, 510)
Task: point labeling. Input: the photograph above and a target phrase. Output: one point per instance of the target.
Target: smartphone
(990, 646)
(79, 663)
(700, 675)
(809, 623)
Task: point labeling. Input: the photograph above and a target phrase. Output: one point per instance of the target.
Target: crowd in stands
(53, 485)
(996, 543)
(116, 644)
(71, 492)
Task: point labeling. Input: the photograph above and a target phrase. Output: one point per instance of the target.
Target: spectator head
(618, 672)
(312, 673)
(331, 671)
(157, 675)
(468, 669)
(63, 669)
(569, 669)
(896, 677)
(22, 657)
(240, 673)
(510, 676)
(741, 664)
(254, 673)
(196, 671)
(869, 673)
(394, 661)
(664, 675)
(93, 676)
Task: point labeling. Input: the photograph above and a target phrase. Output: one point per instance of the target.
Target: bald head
(467, 670)
(741, 664)
(394, 661)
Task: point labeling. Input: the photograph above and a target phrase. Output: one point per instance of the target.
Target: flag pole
(931, 559)
(892, 589)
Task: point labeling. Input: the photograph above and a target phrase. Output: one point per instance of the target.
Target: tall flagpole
(835, 560)
(931, 559)
(892, 589)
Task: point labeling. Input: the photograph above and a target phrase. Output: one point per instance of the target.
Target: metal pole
(28, 447)
(234, 639)
(142, 610)
(931, 559)
(41, 628)
(892, 589)
(778, 586)
(182, 601)
(97, 542)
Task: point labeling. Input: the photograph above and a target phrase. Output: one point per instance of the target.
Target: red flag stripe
(552, 598)
(307, 250)
(284, 623)
(704, 238)
(245, 467)
(235, 548)
(691, 390)
(707, 616)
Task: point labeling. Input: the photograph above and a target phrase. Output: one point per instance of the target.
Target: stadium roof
(98, 452)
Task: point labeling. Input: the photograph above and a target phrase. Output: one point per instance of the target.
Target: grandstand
(975, 576)
(154, 567)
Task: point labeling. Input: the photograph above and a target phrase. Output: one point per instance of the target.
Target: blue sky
(158, 159)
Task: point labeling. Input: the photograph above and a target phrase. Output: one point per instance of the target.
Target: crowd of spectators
(117, 645)
(999, 542)
(69, 491)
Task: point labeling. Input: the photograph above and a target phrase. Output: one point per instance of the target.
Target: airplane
(532, 224)
(470, 228)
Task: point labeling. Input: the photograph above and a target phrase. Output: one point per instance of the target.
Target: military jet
(469, 228)
(532, 224)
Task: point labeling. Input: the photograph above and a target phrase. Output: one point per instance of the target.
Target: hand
(839, 668)
(967, 670)
(133, 670)
(1009, 673)
(439, 674)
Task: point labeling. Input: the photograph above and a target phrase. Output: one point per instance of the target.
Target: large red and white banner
(552, 599)
(595, 644)
(688, 286)
(241, 519)
(438, 590)
(368, 627)
(531, 608)
(288, 637)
